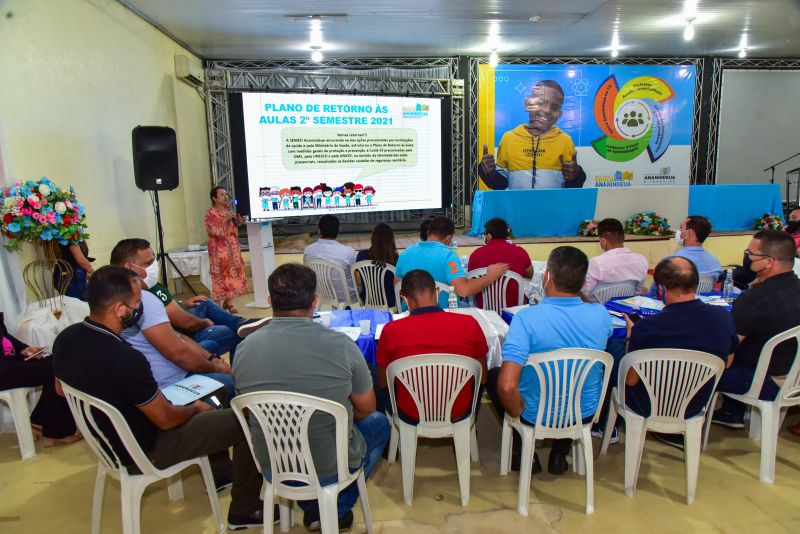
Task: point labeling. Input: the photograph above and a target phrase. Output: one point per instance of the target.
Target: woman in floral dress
(227, 266)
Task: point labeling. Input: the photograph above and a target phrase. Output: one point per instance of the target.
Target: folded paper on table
(190, 389)
(640, 302)
(350, 331)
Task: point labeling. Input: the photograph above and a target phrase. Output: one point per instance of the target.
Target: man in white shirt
(327, 248)
(617, 263)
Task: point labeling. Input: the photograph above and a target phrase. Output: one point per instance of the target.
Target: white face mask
(151, 274)
(678, 237)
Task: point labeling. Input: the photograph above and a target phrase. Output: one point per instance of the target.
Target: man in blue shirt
(692, 234)
(436, 257)
(561, 320)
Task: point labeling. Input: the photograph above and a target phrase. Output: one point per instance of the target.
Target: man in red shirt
(429, 329)
(499, 250)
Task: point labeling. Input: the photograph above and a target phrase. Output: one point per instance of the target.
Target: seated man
(498, 249)
(199, 317)
(691, 235)
(617, 263)
(561, 320)
(293, 353)
(92, 357)
(684, 323)
(769, 307)
(172, 356)
(421, 333)
(436, 257)
(327, 248)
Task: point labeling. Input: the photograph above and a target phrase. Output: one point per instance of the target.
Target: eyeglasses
(750, 254)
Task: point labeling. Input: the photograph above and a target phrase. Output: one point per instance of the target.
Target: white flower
(33, 199)
(44, 189)
(60, 208)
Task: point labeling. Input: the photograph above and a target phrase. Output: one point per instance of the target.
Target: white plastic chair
(373, 279)
(562, 375)
(602, 293)
(84, 409)
(493, 296)
(18, 400)
(706, 283)
(284, 419)
(672, 377)
(766, 417)
(331, 283)
(434, 381)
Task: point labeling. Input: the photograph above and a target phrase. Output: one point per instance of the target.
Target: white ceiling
(264, 29)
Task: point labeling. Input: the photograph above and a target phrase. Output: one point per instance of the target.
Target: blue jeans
(223, 333)
(375, 428)
(737, 379)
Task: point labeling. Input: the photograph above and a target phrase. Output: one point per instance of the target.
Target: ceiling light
(535, 18)
(316, 55)
(743, 53)
(614, 52)
(493, 59)
(316, 23)
(688, 32)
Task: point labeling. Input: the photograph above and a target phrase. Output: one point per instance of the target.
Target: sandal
(50, 442)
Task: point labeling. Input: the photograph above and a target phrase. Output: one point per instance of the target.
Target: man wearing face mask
(691, 235)
(769, 307)
(617, 263)
(172, 355)
(498, 249)
(561, 320)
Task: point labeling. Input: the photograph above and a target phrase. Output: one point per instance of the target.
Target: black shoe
(557, 463)
(676, 440)
(248, 326)
(312, 523)
(727, 419)
(224, 484)
(536, 468)
(241, 522)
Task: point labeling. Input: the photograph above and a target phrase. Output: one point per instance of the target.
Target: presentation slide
(316, 154)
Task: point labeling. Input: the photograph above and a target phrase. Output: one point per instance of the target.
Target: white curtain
(12, 288)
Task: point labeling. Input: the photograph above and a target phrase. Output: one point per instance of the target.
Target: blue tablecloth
(618, 332)
(535, 212)
(366, 343)
(734, 206)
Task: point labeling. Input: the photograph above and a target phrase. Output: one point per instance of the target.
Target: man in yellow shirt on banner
(537, 155)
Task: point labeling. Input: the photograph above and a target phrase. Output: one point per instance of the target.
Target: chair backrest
(85, 410)
(373, 279)
(562, 375)
(790, 389)
(672, 377)
(331, 282)
(284, 419)
(602, 293)
(443, 288)
(706, 283)
(434, 381)
(493, 297)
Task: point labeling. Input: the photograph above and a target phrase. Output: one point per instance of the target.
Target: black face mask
(793, 226)
(747, 262)
(133, 318)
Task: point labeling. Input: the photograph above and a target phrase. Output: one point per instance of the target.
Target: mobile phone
(42, 352)
(634, 317)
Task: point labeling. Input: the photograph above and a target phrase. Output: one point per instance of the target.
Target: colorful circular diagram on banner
(634, 119)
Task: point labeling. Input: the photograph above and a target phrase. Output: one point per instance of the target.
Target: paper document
(350, 331)
(190, 389)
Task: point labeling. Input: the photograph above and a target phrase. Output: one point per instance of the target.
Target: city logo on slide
(618, 179)
(664, 177)
(416, 112)
(635, 118)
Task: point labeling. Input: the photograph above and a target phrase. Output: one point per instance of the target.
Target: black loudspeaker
(155, 158)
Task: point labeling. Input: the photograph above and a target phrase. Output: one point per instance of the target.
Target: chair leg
(578, 465)
(505, 448)
(691, 446)
(175, 487)
(286, 510)
(611, 420)
(709, 417)
(18, 406)
(588, 462)
(328, 511)
(97, 500)
(473, 444)
(635, 432)
(526, 461)
(461, 439)
(770, 416)
(132, 490)
(394, 438)
(211, 490)
(408, 459)
(362, 494)
(754, 429)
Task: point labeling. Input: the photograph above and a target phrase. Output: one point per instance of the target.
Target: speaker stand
(161, 255)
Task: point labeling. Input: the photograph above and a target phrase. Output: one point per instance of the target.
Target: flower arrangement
(588, 228)
(41, 211)
(647, 223)
(768, 221)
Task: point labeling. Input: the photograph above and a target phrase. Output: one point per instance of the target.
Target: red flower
(67, 219)
(7, 218)
(9, 235)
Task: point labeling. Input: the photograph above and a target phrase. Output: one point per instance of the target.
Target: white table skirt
(193, 262)
(39, 326)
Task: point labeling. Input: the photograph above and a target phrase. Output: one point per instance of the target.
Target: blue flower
(27, 221)
(13, 227)
(63, 242)
(46, 235)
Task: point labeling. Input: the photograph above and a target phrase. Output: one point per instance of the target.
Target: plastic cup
(364, 324)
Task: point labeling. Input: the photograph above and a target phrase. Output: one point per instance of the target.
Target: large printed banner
(626, 125)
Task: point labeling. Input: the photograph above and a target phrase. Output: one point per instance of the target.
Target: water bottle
(452, 299)
(727, 286)
(453, 244)
(464, 262)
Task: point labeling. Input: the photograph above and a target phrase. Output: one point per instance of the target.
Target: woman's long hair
(383, 250)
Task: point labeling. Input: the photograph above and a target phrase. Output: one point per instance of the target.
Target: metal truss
(473, 95)
(337, 76)
(720, 65)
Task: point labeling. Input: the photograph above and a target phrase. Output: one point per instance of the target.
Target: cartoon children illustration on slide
(286, 195)
(348, 193)
(337, 196)
(308, 201)
(296, 192)
(263, 194)
(318, 195)
(369, 192)
(358, 191)
(275, 197)
(327, 192)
